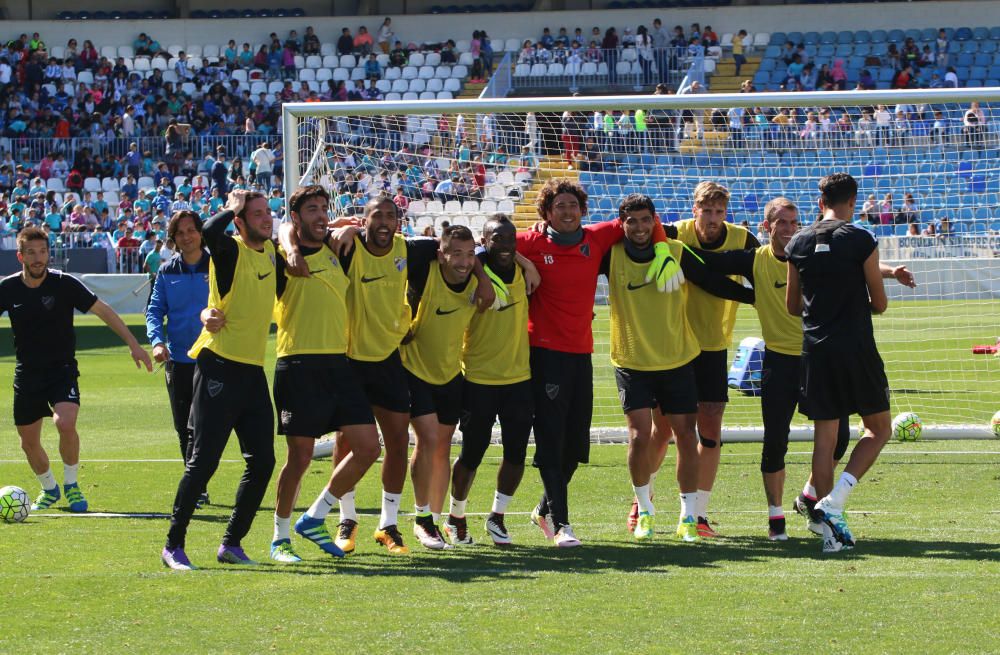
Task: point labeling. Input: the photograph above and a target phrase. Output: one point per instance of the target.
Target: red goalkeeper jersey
(562, 309)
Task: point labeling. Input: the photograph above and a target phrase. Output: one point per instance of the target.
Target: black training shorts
(317, 394)
(673, 390)
(835, 384)
(711, 370)
(384, 383)
(37, 392)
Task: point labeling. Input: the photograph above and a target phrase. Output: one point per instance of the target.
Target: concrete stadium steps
(724, 80)
(550, 166)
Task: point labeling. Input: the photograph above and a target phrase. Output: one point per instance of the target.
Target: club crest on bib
(399, 263)
(552, 390)
(333, 261)
(214, 388)
(48, 302)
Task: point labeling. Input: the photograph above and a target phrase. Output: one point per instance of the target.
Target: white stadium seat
(424, 73)
(341, 74)
(410, 73)
(194, 50)
(327, 49)
(416, 59)
(400, 86)
(109, 51)
(314, 61)
(331, 61)
(460, 71)
(453, 85)
(211, 51)
(443, 72)
(428, 95)
(348, 61)
(432, 59)
(418, 86)
(466, 59)
(410, 96)
(307, 75)
(435, 85)
(385, 86)
(324, 74)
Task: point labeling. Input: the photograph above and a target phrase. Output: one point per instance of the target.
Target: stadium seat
(410, 73)
(307, 75)
(400, 86)
(416, 59)
(348, 61)
(778, 39)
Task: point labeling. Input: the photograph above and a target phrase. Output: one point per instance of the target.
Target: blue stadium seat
(825, 50)
(66, 15)
(101, 15)
(896, 36)
(115, 14)
(982, 59)
(844, 50)
(995, 33)
(845, 38)
(215, 13)
(248, 13)
(880, 49)
(795, 37)
(297, 12)
(879, 36)
(768, 65)
(771, 52)
(265, 13)
(197, 14)
(778, 38)
(230, 14)
(862, 49)
(981, 33)
(988, 47)
(828, 38)
(862, 36)
(913, 34)
(954, 47)
(811, 38)
(962, 34)
(977, 72)
(970, 47)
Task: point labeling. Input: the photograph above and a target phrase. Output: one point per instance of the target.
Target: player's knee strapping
(708, 443)
(772, 457)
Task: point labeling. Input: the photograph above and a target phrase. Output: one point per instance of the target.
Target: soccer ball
(995, 425)
(907, 427)
(14, 504)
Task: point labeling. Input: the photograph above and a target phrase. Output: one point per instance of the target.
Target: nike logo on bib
(439, 312)
(366, 280)
(779, 285)
(633, 287)
(506, 307)
(261, 277)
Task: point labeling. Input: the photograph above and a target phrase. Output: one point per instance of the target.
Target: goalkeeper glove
(665, 269)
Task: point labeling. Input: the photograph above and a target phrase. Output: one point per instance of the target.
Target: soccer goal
(928, 165)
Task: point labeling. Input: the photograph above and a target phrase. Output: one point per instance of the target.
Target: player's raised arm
(113, 321)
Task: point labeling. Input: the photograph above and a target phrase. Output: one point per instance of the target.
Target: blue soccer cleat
(315, 531)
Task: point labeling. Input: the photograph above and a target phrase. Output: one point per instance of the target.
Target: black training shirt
(42, 318)
(830, 256)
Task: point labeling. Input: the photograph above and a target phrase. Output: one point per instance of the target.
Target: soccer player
(180, 292)
(766, 269)
(568, 256)
(652, 350)
(497, 385)
(377, 261)
(230, 388)
(315, 388)
(40, 303)
(432, 356)
(712, 320)
(835, 283)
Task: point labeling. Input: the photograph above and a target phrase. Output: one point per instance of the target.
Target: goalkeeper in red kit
(568, 256)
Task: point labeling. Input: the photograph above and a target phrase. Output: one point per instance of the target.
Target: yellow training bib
(312, 311)
(782, 331)
(496, 343)
(378, 313)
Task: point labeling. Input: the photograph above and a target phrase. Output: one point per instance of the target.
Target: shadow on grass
(482, 562)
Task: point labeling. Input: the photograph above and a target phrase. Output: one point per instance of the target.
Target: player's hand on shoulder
(160, 353)
(341, 239)
(484, 297)
(141, 357)
(345, 221)
(213, 319)
(295, 264)
(539, 227)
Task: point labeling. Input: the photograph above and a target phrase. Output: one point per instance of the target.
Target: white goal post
(932, 166)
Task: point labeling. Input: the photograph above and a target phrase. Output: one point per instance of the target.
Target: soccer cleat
(457, 531)
(282, 551)
(233, 555)
(644, 526)
(834, 519)
(393, 541)
(315, 531)
(705, 530)
(46, 499)
(497, 530)
(776, 529)
(687, 530)
(565, 538)
(347, 532)
(806, 507)
(77, 503)
(544, 523)
(176, 559)
(633, 516)
(428, 534)
(830, 542)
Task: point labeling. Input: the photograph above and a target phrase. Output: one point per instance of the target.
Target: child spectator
(738, 57)
(373, 70)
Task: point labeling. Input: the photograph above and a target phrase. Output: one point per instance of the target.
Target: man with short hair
(40, 303)
(712, 320)
(180, 292)
(495, 364)
(835, 283)
(315, 389)
(230, 388)
(653, 348)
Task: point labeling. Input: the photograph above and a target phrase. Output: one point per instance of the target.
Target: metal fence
(617, 67)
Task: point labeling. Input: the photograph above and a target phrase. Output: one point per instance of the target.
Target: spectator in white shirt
(263, 160)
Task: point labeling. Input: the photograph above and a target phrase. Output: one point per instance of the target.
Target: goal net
(928, 165)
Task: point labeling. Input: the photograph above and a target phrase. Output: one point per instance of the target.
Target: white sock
(703, 497)
(809, 491)
(838, 497)
(642, 495)
(422, 509)
(282, 528)
(390, 509)
(500, 502)
(322, 505)
(69, 473)
(457, 508)
(437, 517)
(689, 504)
(48, 480)
(347, 510)
(775, 512)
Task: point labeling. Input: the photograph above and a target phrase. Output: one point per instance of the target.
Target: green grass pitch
(923, 579)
